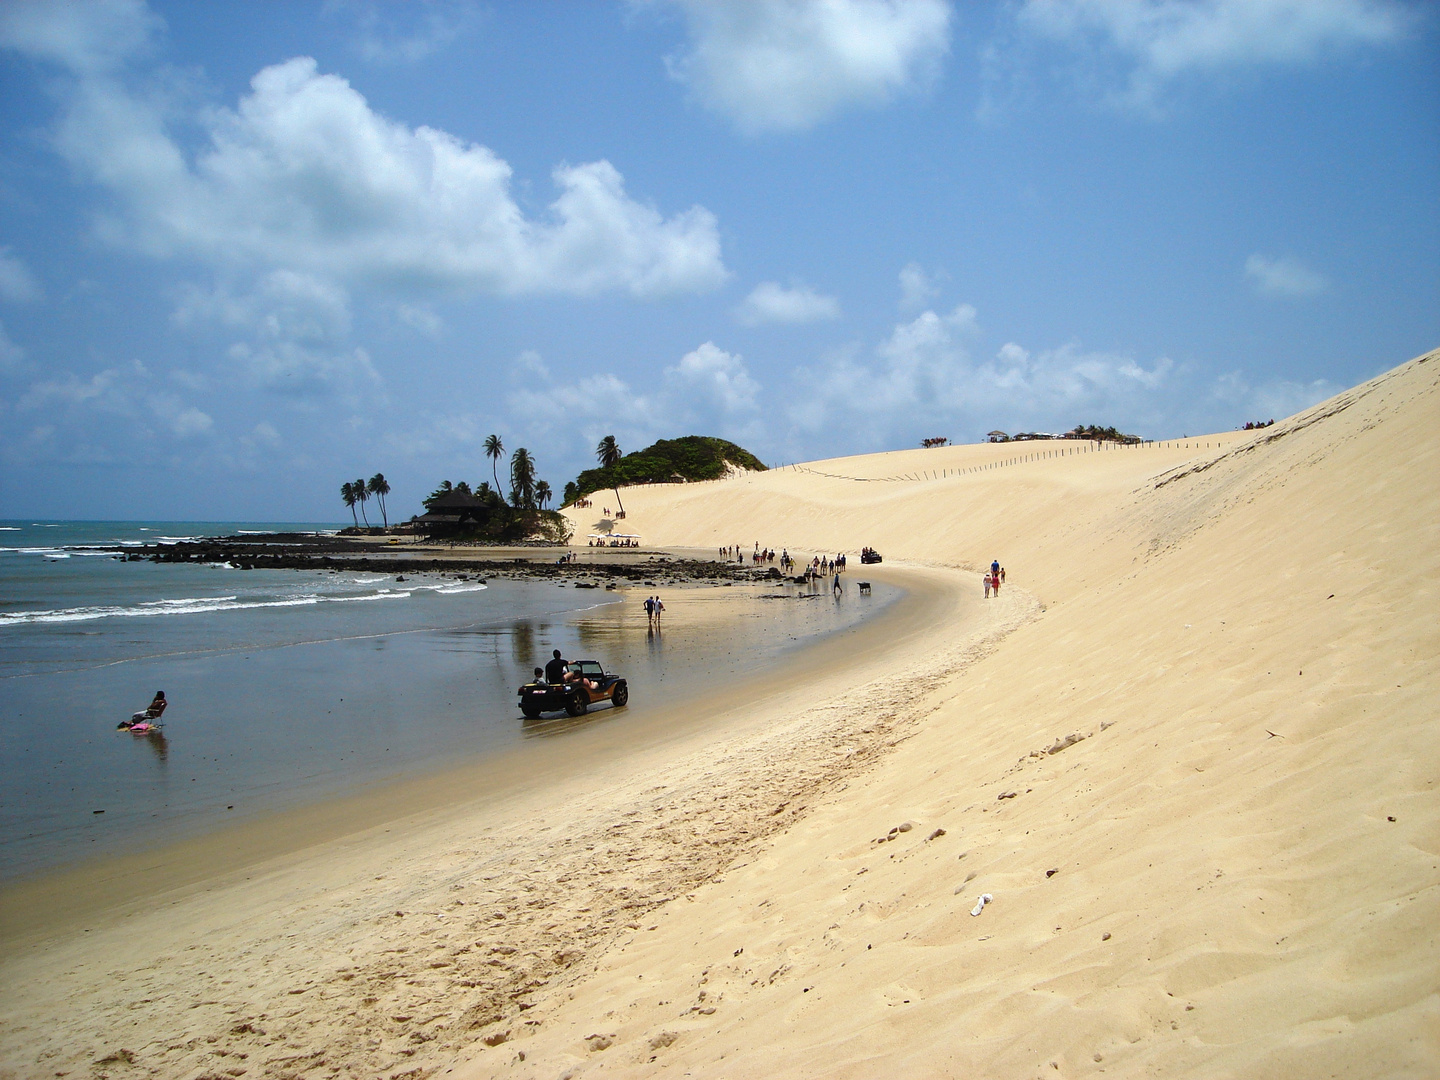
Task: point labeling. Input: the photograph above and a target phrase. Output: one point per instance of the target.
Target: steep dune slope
(1234, 872)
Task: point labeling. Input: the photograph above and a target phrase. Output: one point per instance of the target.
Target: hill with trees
(693, 457)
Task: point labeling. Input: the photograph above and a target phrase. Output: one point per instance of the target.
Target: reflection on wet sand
(543, 727)
(159, 744)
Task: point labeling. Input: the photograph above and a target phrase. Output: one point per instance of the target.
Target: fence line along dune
(1199, 786)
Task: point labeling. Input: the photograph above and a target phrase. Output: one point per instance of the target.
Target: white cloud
(707, 390)
(925, 381)
(786, 65)
(264, 433)
(17, 284)
(189, 422)
(295, 371)
(1156, 41)
(88, 38)
(531, 365)
(421, 318)
(305, 177)
(1285, 276)
(283, 305)
(771, 302)
(1272, 400)
(713, 376)
(917, 288)
(405, 33)
(297, 325)
(102, 388)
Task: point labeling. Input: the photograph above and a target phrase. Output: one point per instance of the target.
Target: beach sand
(1191, 751)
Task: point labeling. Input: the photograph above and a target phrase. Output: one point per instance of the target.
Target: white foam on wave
(11, 528)
(190, 606)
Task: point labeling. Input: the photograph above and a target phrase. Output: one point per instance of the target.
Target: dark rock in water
(399, 577)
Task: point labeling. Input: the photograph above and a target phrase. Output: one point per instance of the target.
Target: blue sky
(250, 251)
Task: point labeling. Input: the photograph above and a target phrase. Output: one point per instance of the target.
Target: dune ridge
(1232, 870)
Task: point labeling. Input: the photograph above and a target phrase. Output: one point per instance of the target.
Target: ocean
(288, 686)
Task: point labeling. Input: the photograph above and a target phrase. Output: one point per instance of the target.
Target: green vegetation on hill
(694, 457)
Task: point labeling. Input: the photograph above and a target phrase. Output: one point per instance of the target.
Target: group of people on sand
(623, 542)
(994, 578)
(654, 608)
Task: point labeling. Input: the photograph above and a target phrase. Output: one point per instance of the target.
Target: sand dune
(1235, 872)
(1191, 752)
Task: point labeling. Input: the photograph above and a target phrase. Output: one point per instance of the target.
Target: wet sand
(546, 855)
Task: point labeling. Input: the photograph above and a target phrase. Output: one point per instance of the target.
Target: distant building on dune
(998, 436)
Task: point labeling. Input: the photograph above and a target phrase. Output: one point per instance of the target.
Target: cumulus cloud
(708, 389)
(187, 422)
(1156, 41)
(17, 284)
(786, 65)
(1285, 276)
(917, 288)
(710, 376)
(924, 376)
(771, 302)
(303, 175)
(1273, 399)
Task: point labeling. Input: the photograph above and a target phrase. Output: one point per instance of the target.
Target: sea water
(286, 686)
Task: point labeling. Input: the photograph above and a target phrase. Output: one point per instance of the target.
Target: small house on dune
(998, 436)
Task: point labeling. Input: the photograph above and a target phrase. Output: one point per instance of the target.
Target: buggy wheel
(532, 712)
(621, 695)
(576, 704)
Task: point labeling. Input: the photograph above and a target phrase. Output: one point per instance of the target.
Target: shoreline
(53, 899)
(517, 891)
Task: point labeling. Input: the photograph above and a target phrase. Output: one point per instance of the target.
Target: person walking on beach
(835, 585)
(995, 569)
(659, 609)
(1002, 573)
(987, 586)
(649, 609)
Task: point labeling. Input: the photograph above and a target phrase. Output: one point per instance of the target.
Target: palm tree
(493, 449)
(522, 480)
(361, 495)
(608, 454)
(347, 493)
(542, 493)
(380, 487)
